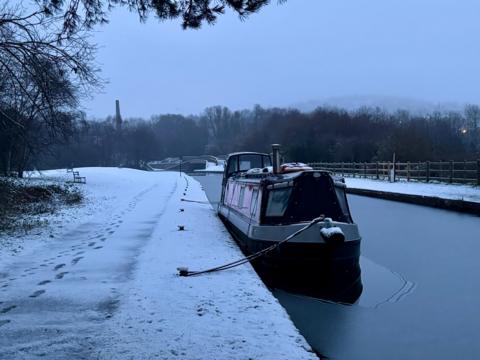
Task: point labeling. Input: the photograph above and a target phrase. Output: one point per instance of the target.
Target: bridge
(188, 163)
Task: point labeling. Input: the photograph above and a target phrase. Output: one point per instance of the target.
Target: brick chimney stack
(118, 117)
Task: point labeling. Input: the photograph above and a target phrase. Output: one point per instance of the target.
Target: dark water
(421, 299)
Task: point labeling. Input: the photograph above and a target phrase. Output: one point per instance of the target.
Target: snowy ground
(445, 191)
(212, 167)
(100, 281)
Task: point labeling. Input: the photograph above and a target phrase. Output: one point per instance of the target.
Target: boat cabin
(267, 195)
(242, 162)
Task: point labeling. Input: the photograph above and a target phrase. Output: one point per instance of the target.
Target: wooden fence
(463, 172)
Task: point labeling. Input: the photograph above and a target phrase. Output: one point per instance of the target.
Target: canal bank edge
(463, 206)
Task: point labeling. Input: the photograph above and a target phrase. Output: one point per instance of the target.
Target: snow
(329, 232)
(212, 167)
(105, 285)
(445, 191)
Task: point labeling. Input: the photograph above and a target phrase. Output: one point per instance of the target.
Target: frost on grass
(23, 202)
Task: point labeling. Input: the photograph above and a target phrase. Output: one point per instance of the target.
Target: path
(106, 287)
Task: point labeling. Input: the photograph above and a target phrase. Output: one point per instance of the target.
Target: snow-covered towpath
(104, 285)
(443, 191)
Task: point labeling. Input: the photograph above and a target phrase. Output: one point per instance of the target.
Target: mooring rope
(183, 271)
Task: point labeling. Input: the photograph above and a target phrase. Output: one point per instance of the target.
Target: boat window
(240, 198)
(342, 201)
(250, 161)
(230, 192)
(232, 165)
(267, 161)
(254, 203)
(278, 201)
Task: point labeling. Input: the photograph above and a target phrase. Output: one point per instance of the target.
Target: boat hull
(328, 271)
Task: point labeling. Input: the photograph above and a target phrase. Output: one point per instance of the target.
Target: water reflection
(381, 285)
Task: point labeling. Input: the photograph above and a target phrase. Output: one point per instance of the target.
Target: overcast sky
(298, 51)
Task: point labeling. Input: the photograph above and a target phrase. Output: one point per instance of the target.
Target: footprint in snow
(61, 275)
(92, 243)
(37, 293)
(59, 266)
(7, 309)
(201, 311)
(98, 247)
(44, 282)
(76, 260)
(4, 322)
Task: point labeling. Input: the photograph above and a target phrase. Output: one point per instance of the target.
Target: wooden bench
(76, 177)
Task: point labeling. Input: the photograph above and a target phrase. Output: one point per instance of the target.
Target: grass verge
(24, 201)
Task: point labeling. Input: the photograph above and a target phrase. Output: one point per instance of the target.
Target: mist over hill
(389, 104)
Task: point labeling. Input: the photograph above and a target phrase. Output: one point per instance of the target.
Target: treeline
(322, 135)
(102, 143)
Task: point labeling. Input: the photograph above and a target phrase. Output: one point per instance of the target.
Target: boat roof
(247, 153)
(276, 177)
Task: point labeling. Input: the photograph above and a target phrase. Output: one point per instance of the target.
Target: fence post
(408, 170)
(451, 171)
(395, 171)
(342, 168)
(478, 172)
(364, 170)
(428, 171)
(376, 170)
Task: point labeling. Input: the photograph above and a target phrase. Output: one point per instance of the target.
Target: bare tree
(43, 74)
(32, 47)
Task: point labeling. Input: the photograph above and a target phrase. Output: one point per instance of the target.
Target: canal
(421, 298)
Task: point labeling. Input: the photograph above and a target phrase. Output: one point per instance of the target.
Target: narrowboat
(263, 202)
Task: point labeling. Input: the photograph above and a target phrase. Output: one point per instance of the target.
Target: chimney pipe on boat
(276, 158)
